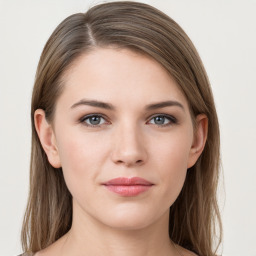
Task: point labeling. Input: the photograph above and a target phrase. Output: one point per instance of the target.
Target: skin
(128, 143)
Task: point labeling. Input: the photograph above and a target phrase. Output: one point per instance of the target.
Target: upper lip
(128, 181)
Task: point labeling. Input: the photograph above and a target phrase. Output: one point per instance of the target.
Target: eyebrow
(93, 103)
(100, 104)
(163, 104)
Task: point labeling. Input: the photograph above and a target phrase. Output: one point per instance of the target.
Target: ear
(200, 136)
(47, 138)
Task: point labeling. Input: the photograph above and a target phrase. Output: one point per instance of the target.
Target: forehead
(120, 76)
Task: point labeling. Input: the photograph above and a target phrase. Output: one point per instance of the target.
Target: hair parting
(146, 30)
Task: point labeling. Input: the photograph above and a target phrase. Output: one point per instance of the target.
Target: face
(123, 135)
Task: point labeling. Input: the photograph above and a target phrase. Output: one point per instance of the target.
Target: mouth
(128, 187)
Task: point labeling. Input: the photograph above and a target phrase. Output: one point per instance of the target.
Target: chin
(131, 218)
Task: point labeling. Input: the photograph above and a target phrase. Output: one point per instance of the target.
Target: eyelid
(173, 120)
(83, 118)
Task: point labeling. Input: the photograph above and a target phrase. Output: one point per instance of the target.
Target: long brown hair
(194, 217)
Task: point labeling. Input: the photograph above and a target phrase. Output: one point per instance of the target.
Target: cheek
(81, 157)
(172, 164)
(77, 148)
(173, 151)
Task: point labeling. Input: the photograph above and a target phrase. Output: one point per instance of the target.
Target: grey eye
(94, 120)
(160, 119)
(163, 120)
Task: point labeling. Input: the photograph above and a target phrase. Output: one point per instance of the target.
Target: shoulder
(186, 252)
(53, 249)
(26, 254)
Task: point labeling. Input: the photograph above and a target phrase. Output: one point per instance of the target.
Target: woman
(125, 146)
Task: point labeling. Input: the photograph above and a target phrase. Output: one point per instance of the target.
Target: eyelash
(171, 120)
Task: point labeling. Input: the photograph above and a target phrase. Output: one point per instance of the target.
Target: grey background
(224, 34)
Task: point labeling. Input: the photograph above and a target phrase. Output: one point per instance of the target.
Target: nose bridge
(129, 144)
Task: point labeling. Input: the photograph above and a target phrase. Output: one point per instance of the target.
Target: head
(144, 31)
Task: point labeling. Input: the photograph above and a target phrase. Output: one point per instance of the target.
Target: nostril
(129, 163)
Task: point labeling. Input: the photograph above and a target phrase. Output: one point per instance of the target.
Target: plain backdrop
(223, 31)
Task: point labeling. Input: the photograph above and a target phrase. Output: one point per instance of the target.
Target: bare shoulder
(52, 250)
(186, 252)
(189, 253)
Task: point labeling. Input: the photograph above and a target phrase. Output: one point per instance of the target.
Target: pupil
(159, 120)
(95, 120)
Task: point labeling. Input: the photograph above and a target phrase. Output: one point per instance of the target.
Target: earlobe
(47, 138)
(199, 140)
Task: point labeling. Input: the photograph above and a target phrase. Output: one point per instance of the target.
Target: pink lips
(128, 186)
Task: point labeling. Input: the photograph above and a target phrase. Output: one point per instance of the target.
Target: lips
(128, 186)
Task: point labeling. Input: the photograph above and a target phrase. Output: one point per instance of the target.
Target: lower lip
(131, 190)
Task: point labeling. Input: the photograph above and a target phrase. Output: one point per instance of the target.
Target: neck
(88, 236)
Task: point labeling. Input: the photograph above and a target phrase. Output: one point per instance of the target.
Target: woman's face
(124, 138)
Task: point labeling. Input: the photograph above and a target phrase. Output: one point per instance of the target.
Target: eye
(93, 120)
(163, 120)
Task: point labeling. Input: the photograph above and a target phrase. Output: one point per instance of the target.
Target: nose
(129, 147)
